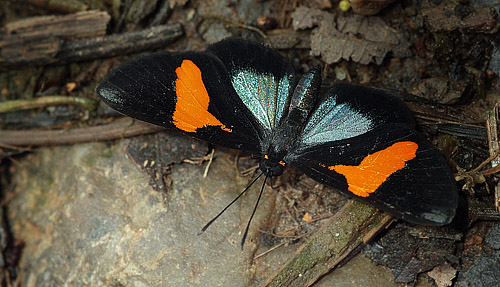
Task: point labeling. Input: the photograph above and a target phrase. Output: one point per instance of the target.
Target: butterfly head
(271, 167)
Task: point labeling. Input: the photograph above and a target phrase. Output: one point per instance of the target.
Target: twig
(494, 146)
(462, 175)
(210, 159)
(13, 147)
(115, 130)
(269, 250)
(16, 105)
(282, 235)
(249, 170)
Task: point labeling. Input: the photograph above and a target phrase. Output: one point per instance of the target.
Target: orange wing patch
(191, 109)
(376, 168)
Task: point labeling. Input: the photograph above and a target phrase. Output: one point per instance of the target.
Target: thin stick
(17, 105)
(210, 159)
(115, 130)
(270, 250)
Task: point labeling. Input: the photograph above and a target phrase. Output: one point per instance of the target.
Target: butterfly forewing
(190, 92)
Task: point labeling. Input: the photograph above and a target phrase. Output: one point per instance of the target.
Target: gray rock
(89, 218)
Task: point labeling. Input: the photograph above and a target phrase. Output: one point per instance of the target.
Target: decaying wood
(118, 129)
(356, 223)
(38, 39)
(63, 6)
(78, 25)
(494, 146)
(152, 38)
(76, 37)
(444, 18)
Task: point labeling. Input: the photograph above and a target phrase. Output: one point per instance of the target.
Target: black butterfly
(240, 94)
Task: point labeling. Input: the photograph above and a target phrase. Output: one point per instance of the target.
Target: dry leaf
(307, 217)
(70, 87)
(304, 18)
(358, 38)
(443, 275)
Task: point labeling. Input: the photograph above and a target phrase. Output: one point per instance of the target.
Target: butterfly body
(283, 139)
(361, 141)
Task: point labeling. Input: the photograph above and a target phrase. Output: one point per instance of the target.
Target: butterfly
(239, 94)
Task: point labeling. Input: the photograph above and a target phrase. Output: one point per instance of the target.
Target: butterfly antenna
(227, 206)
(253, 212)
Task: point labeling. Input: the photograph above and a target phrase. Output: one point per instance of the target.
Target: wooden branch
(118, 129)
(62, 6)
(17, 105)
(75, 37)
(121, 44)
(494, 146)
(354, 224)
(37, 40)
(78, 25)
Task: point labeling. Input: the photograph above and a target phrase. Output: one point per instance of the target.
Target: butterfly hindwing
(363, 143)
(349, 110)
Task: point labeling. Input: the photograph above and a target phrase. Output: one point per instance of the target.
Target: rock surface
(88, 217)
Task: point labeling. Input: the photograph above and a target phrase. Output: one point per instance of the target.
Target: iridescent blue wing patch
(347, 111)
(334, 122)
(262, 78)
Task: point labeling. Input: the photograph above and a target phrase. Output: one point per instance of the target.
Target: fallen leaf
(438, 89)
(443, 275)
(362, 39)
(70, 87)
(305, 18)
(408, 273)
(307, 217)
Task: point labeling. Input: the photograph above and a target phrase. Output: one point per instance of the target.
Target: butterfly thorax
(278, 145)
(283, 138)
